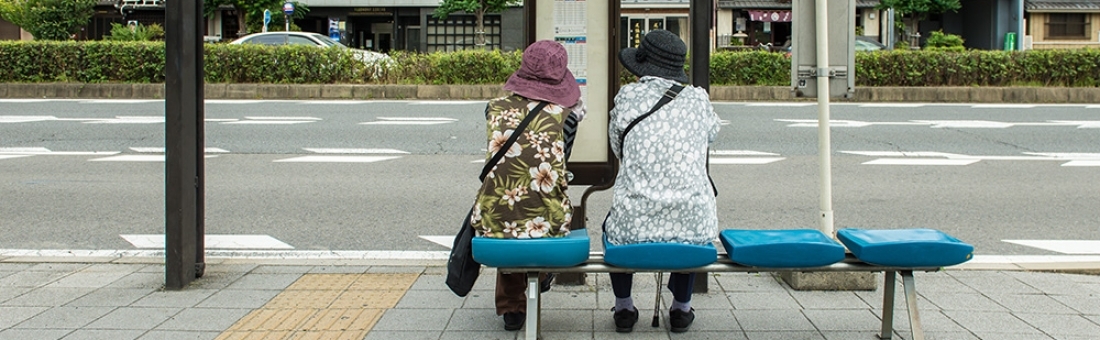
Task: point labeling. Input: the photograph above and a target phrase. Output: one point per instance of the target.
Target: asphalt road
(984, 173)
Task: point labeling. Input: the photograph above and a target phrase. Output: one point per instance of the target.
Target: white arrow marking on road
(25, 119)
(355, 151)
(920, 161)
(892, 105)
(442, 240)
(781, 104)
(156, 241)
(841, 123)
(336, 159)
(741, 153)
(1072, 247)
(410, 121)
(44, 151)
(1081, 124)
(1081, 163)
(128, 120)
(1003, 106)
(161, 150)
(275, 120)
(972, 124)
(121, 101)
(135, 158)
(745, 160)
(447, 102)
(12, 156)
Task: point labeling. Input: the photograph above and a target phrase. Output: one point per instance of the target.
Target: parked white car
(371, 58)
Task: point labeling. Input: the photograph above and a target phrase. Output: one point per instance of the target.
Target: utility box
(841, 68)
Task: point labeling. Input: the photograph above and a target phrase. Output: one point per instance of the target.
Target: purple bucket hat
(544, 74)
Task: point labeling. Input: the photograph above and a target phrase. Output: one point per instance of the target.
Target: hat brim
(565, 93)
(627, 57)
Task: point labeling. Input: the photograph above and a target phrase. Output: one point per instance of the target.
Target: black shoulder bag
(670, 94)
(462, 269)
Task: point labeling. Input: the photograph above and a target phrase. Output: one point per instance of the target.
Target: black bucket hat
(662, 54)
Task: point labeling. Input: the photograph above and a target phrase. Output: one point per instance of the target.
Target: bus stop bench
(892, 252)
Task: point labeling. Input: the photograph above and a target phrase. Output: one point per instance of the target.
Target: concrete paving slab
(567, 320)
(843, 319)
(107, 297)
(748, 301)
(433, 299)
(238, 298)
(101, 334)
(10, 292)
(139, 280)
(412, 319)
(1081, 304)
(1032, 303)
(773, 320)
(476, 320)
(204, 319)
(10, 316)
(183, 298)
(264, 281)
(64, 318)
(87, 279)
(403, 335)
(1061, 326)
(829, 300)
(48, 297)
(33, 334)
(134, 318)
(781, 335)
(567, 298)
(30, 279)
(179, 335)
(956, 302)
(982, 321)
(996, 282)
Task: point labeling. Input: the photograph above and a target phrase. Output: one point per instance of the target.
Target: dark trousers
(680, 284)
(511, 293)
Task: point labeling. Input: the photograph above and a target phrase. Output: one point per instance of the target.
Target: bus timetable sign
(288, 8)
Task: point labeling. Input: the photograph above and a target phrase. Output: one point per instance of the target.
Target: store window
(459, 32)
(1067, 26)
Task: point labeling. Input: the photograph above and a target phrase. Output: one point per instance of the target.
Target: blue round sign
(288, 8)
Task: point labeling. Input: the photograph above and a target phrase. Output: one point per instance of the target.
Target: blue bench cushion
(905, 247)
(567, 251)
(670, 256)
(794, 248)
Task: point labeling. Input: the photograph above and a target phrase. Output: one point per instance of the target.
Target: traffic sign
(267, 16)
(288, 8)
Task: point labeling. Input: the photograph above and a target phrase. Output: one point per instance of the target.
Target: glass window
(269, 39)
(1067, 26)
(459, 32)
(300, 40)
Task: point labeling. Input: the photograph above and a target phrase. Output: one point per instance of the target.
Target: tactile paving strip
(324, 306)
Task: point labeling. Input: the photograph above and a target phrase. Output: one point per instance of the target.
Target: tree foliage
(920, 7)
(48, 19)
(477, 7)
(250, 15)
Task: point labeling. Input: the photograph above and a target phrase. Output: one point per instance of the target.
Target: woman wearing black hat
(662, 192)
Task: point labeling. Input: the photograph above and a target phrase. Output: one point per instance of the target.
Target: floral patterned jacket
(523, 196)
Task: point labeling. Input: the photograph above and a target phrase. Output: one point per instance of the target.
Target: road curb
(1042, 95)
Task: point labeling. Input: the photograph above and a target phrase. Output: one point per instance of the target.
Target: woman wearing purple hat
(523, 196)
(662, 192)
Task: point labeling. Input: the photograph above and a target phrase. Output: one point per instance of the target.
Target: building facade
(1062, 24)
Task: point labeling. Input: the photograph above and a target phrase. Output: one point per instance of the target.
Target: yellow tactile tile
(313, 299)
(324, 306)
(368, 299)
(384, 282)
(324, 282)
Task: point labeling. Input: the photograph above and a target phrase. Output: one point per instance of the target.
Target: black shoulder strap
(511, 140)
(670, 94)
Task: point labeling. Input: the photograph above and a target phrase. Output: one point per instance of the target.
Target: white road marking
(275, 120)
(12, 156)
(127, 120)
(741, 153)
(135, 158)
(1070, 247)
(1007, 259)
(745, 160)
(970, 124)
(1081, 163)
(16, 100)
(410, 121)
(334, 102)
(1081, 124)
(1003, 106)
(161, 150)
(920, 161)
(234, 101)
(156, 241)
(1092, 106)
(355, 151)
(121, 101)
(841, 123)
(44, 151)
(447, 102)
(781, 104)
(892, 105)
(443, 240)
(336, 159)
(241, 254)
(25, 119)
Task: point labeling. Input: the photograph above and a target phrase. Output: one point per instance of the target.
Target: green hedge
(104, 61)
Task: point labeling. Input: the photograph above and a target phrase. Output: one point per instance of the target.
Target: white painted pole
(821, 10)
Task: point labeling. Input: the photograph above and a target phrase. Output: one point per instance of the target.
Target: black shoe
(544, 285)
(625, 320)
(681, 320)
(513, 321)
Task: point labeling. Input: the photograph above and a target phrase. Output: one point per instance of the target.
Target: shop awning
(770, 16)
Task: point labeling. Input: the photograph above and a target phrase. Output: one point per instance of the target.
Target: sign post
(267, 19)
(288, 10)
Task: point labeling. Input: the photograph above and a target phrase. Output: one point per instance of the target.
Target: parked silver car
(309, 38)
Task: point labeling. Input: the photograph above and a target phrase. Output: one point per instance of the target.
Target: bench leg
(911, 300)
(888, 305)
(533, 306)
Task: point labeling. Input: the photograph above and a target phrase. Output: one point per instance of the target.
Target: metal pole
(183, 100)
(890, 34)
(821, 10)
(700, 17)
(286, 18)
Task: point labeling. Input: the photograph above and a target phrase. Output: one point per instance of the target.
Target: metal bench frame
(596, 264)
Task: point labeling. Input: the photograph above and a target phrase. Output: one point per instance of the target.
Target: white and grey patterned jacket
(662, 192)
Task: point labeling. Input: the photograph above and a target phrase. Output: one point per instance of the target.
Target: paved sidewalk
(238, 299)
